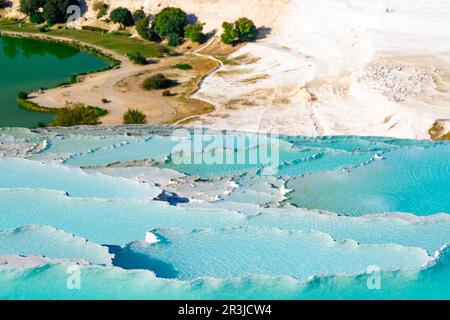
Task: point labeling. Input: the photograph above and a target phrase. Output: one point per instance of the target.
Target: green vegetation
(194, 32)
(158, 81)
(138, 15)
(246, 30)
(174, 40)
(143, 28)
(170, 21)
(71, 115)
(134, 116)
(242, 30)
(78, 114)
(32, 106)
(53, 11)
(183, 66)
(137, 58)
(119, 43)
(123, 16)
(37, 17)
(101, 8)
(30, 6)
(23, 95)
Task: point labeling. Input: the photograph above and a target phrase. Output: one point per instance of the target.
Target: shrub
(102, 12)
(123, 16)
(134, 116)
(43, 29)
(170, 21)
(194, 32)
(76, 114)
(22, 95)
(173, 40)
(183, 66)
(137, 58)
(143, 28)
(101, 8)
(158, 81)
(167, 93)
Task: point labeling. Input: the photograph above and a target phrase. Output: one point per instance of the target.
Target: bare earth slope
(333, 67)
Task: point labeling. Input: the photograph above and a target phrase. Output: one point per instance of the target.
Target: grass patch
(183, 66)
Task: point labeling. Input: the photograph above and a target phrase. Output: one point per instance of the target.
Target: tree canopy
(242, 30)
(194, 32)
(123, 16)
(55, 11)
(30, 6)
(170, 21)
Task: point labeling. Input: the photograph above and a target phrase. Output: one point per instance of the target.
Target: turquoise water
(333, 209)
(27, 65)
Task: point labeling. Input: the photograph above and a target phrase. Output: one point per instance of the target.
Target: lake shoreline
(158, 109)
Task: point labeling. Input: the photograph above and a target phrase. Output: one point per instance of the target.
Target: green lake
(28, 64)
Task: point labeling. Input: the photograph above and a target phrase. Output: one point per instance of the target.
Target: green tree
(143, 28)
(55, 11)
(246, 30)
(123, 16)
(194, 32)
(138, 15)
(242, 30)
(30, 6)
(169, 21)
(76, 114)
(134, 116)
(229, 35)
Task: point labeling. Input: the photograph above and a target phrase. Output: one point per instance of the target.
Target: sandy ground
(121, 87)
